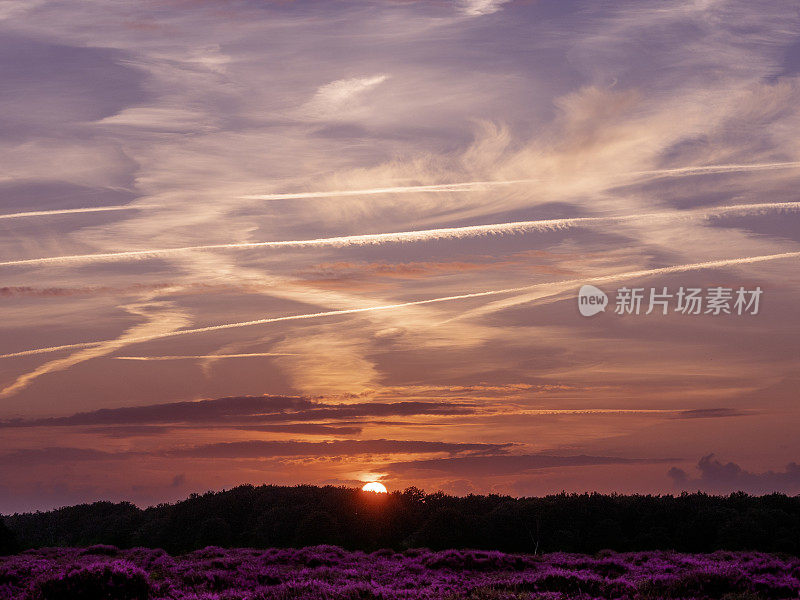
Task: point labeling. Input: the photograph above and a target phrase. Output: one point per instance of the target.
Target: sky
(336, 242)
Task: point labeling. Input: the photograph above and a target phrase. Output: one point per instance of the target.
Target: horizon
(451, 245)
(194, 495)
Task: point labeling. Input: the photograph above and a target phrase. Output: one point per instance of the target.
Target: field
(329, 572)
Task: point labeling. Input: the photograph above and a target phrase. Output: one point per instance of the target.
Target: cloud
(160, 317)
(269, 449)
(127, 431)
(176, 412)
(718, 477)
(478, 8)
(305, 428)
(251, 449)
(487, 466)
(325, 363)
(612, 92)
(245, 410)
(166, 119)
(551, 289)
(349, 271)
(338, 99)
(710, 413)
(61, 292)
(447, 233)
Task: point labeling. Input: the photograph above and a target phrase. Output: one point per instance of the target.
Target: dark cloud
(61, 292)
(271, 448)
(125, 431)
(716, 476)
(245, 410)
(304, 428)
(505, 464)
(710, 413)
(175, 288)
(221, 409)
(252, 449)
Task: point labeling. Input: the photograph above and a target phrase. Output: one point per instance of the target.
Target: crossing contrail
(701, 170)
(464, 186)
(473, 186)
(70, 211)
(555, 285)
(413, 236)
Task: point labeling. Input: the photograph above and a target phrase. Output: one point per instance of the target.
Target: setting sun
(374, 486)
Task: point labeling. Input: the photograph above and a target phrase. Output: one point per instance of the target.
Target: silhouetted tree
(8, 541)
(214, 531)
(290, 516)
(316, 528)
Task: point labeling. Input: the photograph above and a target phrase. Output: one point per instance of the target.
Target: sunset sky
(153, 349)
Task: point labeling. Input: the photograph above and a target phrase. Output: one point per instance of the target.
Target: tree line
(279, 516)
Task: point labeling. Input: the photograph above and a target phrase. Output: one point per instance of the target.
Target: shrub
(119, 580)
(101, 550)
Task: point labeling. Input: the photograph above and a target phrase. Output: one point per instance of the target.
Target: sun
(374, 486)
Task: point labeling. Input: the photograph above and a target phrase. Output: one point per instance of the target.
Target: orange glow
(374, 486)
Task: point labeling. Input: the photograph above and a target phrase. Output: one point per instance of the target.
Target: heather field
(329, 572)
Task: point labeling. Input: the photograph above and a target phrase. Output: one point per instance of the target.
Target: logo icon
(591, 300)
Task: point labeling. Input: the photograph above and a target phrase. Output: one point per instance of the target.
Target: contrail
(331, 313)
(464, 186)
(471, 186)
(70, 211)
(202, 356)
(414, 236)
(701, 170)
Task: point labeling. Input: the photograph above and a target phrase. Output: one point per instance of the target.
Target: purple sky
(670, 128)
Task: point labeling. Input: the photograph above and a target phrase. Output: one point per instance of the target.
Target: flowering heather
(331, 573)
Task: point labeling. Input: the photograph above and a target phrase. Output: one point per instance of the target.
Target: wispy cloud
(337, 99)
(477, 8)
(548, 289)
(425, 235)
(481, 186)
(160, 317)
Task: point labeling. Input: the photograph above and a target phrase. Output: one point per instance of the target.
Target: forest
(271, 516)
